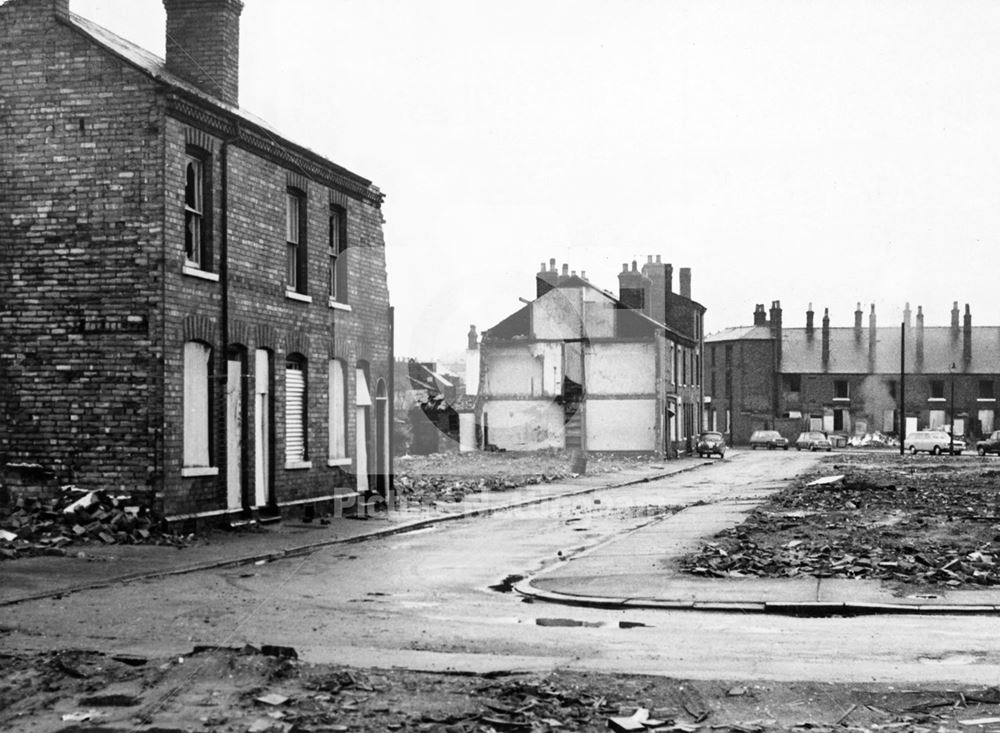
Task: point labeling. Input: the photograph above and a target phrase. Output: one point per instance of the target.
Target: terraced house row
(856, 380)
(191, 305)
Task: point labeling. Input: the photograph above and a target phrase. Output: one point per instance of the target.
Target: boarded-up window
(338, 410)
(295, 409)
(197, 358)
(986, 422)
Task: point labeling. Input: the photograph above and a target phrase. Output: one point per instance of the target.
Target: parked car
(711, 443)
(769, 439)
(990, 445)
(813, 440)
(934, 442)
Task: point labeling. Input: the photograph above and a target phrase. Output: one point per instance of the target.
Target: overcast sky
(830, 152)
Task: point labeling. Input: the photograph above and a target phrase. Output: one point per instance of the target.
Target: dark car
(813, 440)
(769, 439)
(990, 444)
(709, 443)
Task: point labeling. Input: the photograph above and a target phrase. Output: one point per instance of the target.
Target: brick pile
(38, 526)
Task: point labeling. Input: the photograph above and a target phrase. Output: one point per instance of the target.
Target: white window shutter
(295, 437)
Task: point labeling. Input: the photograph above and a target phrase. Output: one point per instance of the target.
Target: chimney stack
(473, 338)
(906, 316)
(857, 323)
(659, 276)
(203, 45)
(546, 279)
(759, 315)
(826, 339)
(686, 282)
(631, 290)
(872, 340)
(919, 346)
(967, 337)
(809, 322)
(954, 321)
(776, 332)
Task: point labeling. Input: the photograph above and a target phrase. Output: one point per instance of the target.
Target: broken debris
(47, 526)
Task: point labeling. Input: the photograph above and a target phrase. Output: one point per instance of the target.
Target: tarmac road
(421, 600)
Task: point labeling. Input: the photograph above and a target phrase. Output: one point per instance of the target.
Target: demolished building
(583, 369)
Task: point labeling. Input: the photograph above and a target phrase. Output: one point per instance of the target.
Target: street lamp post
(951, 434)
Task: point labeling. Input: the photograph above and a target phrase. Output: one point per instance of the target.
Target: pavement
(634, 570)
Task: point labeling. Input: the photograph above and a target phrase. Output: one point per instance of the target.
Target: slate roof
(631, 323)
(802, 354)
(849, 355)
(155, 67)
(740, 333)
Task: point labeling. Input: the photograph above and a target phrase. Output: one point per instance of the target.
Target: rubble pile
(907, 520)
(449, 477)
(429, 489)
(40, 526)
(268, 689)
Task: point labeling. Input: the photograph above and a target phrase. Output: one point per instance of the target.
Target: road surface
(422, 600)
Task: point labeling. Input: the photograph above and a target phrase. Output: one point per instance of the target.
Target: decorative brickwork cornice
(232, 127)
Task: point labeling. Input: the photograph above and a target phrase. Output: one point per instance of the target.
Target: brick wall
(80, 222)
(95, 300)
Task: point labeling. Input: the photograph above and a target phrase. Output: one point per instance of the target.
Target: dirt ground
(450, 476)
(909, 520)
(246, 690)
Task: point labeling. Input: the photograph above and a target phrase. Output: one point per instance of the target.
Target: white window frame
(337, 285)
(294, 213)
(194, 213)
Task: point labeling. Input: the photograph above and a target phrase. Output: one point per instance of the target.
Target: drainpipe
(389, 447)
(224, 288)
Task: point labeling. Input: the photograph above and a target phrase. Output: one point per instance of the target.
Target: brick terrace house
(191, 305)
(847, 380)
(582, 369)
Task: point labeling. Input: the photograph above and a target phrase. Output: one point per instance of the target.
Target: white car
(934, 442)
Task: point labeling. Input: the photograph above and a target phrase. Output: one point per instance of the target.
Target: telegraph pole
(902, 388)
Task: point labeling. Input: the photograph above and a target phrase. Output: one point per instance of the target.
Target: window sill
(986, 399)
(190, 471)
(302, 297)
(203, 274)
(936, 399)
(841, 399)
(339, 462)
(298, 465)
(337, 305)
